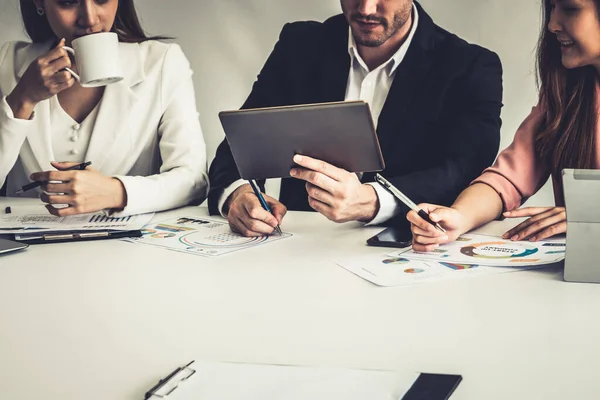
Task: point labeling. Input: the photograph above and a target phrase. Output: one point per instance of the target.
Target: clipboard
(234, 381)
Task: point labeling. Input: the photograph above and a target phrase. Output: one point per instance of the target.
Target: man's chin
(369, 40)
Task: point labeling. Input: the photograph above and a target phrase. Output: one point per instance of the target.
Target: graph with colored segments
(199, 236)
(394, 270)
(492, 251)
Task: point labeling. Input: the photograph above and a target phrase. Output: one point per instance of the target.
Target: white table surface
(107, 319)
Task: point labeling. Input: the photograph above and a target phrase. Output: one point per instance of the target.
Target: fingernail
(532, 239)
(293, 172)
(515, 237)
(297, 158)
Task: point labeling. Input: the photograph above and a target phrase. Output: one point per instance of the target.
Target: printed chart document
(393, 270)
(31, 223)
(229, 381)
(199, 236)
(491, 250)
(471, 255)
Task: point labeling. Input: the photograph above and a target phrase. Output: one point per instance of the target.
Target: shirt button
(76, 127)
(73, 138)
(74, 152)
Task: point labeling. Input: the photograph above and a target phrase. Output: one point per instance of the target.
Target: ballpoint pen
(35, 184)
(409, 203)
(263, 202)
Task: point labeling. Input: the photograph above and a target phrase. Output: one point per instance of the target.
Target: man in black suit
(435, 100)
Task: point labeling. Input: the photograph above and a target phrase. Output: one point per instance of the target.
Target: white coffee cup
(97, 58)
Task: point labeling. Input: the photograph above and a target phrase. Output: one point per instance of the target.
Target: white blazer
(147, 132)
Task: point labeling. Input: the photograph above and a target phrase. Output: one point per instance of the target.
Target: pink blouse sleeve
(518, 173)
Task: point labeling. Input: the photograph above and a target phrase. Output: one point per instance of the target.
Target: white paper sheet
(19, 223)
(228, 381)
(479, 249)
(395, 270)
(199, 236)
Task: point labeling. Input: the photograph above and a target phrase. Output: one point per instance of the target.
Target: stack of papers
(36, 223)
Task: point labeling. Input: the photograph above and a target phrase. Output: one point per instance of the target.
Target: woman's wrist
(21, 107)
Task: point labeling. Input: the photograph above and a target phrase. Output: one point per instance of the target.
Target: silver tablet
(582, 199)
(8, 245)
(264, 141)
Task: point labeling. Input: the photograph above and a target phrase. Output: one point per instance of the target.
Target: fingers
(319, 194)
(537, 224)
(316, 178)
(247, 216)
(66, 188)
(62, 176)
(553, 230)
(63, 165)
(279, 211)
(321, 167)
(57, 199)
(249, 228)
(525, 212)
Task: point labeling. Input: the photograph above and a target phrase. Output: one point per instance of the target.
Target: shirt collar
(397, 58)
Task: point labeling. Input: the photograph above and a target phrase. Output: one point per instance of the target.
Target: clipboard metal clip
(168, 384)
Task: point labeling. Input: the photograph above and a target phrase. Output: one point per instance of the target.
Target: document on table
(470, 255)
(31, 223)
(480, 249)
(395, 270)
(229, 381)
(199, 236)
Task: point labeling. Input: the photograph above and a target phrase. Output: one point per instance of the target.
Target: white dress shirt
(144, 131)
(373, 88)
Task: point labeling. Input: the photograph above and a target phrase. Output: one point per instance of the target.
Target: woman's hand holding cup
(44, 78)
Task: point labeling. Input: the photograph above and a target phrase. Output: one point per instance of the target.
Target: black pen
(35, 184)
(409, 203)
(263, 202)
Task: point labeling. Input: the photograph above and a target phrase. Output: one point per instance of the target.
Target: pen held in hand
(263, 202)
(35, 184)
(408, 202)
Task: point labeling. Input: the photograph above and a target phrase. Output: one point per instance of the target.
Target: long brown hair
(127, 24)
(566, 134)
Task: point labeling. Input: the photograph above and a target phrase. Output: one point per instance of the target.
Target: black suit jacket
(439, 127)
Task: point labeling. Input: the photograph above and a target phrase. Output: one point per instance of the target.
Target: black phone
(433, 387)
(391, 237)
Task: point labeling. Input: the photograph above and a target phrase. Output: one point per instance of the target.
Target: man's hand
(246, 216)
(336, 193)
(84, 191)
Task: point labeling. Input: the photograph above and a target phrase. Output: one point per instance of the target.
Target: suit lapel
(336, 63)
(410, 74)
(407, 84)
(115, 107)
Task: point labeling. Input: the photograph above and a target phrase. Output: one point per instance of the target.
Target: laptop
(582, 197)
(7, 246)
(263, 141)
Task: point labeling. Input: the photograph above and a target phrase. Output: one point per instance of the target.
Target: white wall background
(227, 42)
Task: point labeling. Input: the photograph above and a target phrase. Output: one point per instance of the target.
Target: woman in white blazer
(141, 134)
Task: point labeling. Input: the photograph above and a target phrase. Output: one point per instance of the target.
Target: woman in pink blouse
(561, 132)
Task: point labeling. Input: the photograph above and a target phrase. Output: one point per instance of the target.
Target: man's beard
(390, 28)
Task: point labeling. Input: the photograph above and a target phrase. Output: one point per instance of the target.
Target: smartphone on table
(392, 237)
